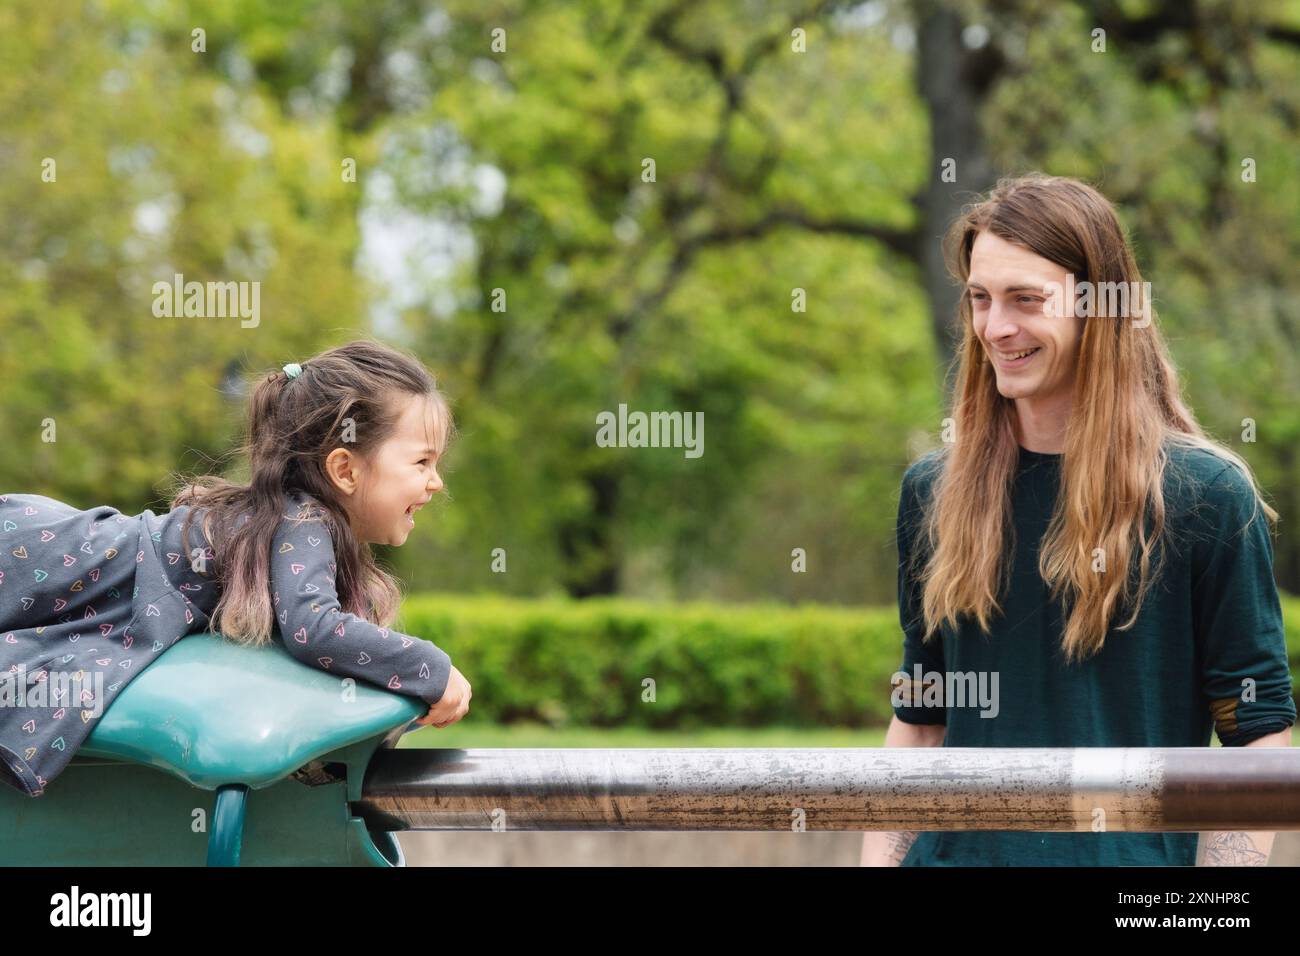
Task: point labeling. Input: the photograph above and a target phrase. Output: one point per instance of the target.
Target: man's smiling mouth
(1012, 359)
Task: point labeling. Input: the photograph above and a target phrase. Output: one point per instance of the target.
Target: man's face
(401, 476)
(1009, 289)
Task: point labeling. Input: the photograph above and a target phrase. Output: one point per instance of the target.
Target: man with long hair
(1078, 538)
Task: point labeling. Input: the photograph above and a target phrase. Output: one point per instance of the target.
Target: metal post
(927, 788)
(226, 839)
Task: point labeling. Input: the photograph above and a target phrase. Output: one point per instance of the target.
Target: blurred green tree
(779, 272)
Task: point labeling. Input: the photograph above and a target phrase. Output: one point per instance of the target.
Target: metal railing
(899, 788)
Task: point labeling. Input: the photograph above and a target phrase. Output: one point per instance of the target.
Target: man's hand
(1229, 848)
(885, 848)
(452, 705)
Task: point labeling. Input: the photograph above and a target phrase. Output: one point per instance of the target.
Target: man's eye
(1030, 298)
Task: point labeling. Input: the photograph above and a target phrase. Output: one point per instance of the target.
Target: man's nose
(1001, 322)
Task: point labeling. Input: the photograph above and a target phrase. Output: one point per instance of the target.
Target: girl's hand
(452, 705)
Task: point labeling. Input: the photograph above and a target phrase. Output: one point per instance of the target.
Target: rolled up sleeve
(1246, 678)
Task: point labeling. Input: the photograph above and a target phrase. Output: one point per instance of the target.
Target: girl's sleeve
(318, 633)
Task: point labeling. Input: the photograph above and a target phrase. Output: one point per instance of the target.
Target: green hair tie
(293, 370)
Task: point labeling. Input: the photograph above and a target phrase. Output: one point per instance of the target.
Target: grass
(464, 735)
(467, 734)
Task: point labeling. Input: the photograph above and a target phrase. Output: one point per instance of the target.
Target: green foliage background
(775, 170)
(586, 663)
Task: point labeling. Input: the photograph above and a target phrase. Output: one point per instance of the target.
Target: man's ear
(343, 468)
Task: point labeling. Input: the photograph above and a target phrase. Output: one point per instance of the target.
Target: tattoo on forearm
(898, 844)
(1232, 849)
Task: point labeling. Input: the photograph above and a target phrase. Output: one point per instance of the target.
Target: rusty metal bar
(899, 788)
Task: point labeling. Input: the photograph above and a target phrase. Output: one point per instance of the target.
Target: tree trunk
(591, 555)
(954, 81)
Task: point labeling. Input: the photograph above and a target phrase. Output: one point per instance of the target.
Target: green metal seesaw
(238, 755)
(218, 753)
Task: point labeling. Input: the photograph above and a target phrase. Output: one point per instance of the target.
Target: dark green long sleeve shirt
(1212, 621)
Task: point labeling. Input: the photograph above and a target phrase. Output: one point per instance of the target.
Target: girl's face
(382, 493)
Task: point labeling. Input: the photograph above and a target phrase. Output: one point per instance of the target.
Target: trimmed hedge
(584, 662)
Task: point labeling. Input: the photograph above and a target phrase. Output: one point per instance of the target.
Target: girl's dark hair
(350, 396)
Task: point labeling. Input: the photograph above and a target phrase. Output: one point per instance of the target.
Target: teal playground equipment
(229, 755)
(222, 754)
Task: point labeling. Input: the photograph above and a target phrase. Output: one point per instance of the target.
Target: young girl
(342, 450)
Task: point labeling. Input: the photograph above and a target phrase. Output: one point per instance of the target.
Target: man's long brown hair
(344, 397)
(1127, 411)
